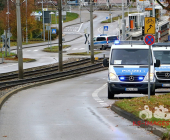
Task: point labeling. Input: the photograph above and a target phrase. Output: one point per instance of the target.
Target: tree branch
(167, 8)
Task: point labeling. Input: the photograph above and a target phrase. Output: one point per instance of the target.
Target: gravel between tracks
(5, 91)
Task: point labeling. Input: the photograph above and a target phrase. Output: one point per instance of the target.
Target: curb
(157, 130)
(51, 43)
(9, 94)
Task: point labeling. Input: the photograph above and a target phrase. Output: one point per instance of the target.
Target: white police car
(128, 68)
(103, 41)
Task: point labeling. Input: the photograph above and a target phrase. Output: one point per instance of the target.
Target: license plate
(131, 89)
(165, 85)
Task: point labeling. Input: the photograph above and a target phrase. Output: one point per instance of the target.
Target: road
(72, 109)
(77, 45)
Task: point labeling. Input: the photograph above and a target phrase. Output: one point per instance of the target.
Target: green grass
(54, 48)
(69, 17)
(11, 54)
(13, 58)
(116, 18)
(136, 105)
(83, 53)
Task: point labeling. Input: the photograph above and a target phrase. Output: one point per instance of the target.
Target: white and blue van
(162, 52)
(128, 68)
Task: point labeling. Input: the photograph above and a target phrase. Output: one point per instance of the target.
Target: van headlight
(151, 77)
(113, 76)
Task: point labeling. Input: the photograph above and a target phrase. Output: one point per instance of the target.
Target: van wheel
(110, 94)
(103, 48)
(152, 92)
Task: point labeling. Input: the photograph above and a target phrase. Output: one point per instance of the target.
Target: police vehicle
(128, 68)
(162, 52)
(103, 41)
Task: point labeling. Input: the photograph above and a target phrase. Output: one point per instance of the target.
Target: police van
(162, 52)
(128, 68)
(103, 41)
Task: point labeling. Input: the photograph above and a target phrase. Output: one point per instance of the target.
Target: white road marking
(99, 29)
(104, 104)
(74, 48)
(67, 49)
(81, 48)
(100, 101)
(35, 50)
(80, 27)
(96, 97)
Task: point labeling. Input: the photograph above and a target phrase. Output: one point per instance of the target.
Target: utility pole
(43, 20)
(8, 34)
(80, 11)
(5, 43)
(91, 32)
(19, 40)
(26, 25)
(60, 35)
(123, 24)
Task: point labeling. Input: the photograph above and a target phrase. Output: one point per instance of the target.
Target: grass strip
(54, 48)
(69, 17)
(12, 57)
(155, 103)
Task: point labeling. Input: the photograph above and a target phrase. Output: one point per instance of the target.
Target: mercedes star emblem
(131, 78)
(167, 75)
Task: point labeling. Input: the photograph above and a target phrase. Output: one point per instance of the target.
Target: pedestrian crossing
(71, 29)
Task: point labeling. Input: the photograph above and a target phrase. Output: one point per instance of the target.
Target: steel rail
(77, 71)
(44, 70)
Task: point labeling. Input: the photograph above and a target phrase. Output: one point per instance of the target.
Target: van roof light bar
(161, 45)
(131, 42)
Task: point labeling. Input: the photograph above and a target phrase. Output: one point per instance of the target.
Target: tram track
(75, 68)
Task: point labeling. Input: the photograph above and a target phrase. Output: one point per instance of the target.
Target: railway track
(51, 73)
(13, 75)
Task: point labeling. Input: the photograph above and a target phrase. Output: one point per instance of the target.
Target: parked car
(103, 41)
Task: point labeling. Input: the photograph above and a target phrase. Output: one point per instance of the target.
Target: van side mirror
(105, 62)
(157, 64)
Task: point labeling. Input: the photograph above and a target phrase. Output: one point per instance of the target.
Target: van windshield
(163, 56)
(130, 57)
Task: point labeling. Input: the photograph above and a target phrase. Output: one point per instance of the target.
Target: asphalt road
(43, 58)
(72, 109)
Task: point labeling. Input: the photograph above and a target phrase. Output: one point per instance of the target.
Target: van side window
(101, 39)
(112, 38)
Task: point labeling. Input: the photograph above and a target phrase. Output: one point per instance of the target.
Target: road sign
(54, 31)
(48, 27)
(168, 37)
(149, 39)
(105, 28)
(107, 17)
(149, 25)
(39, 12)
